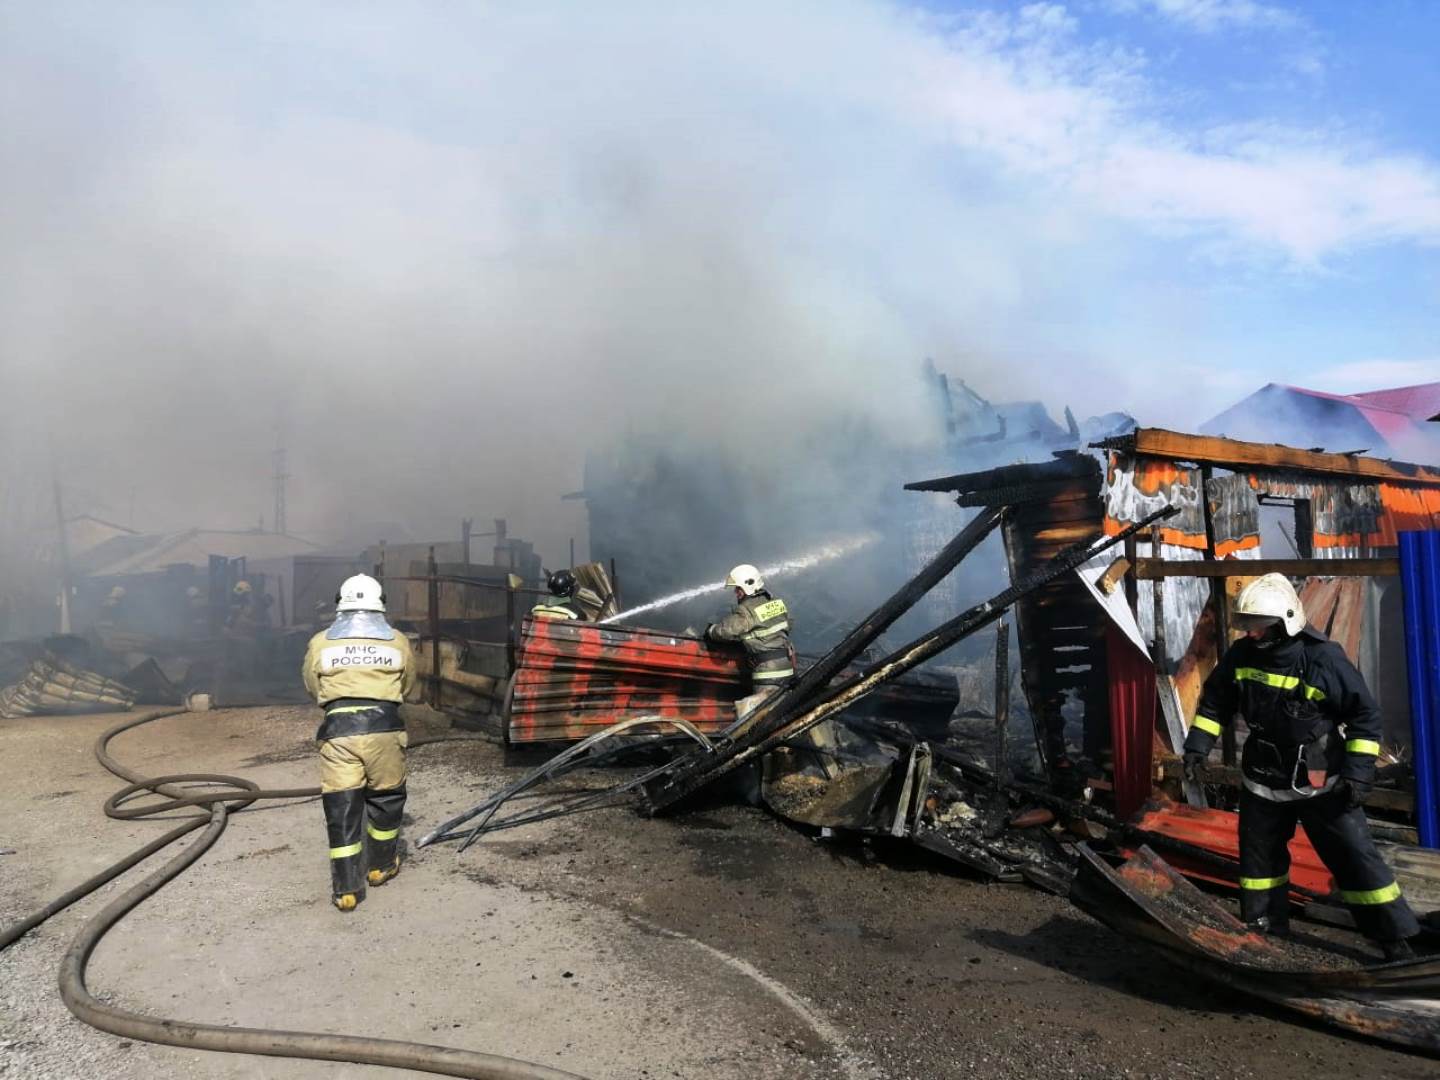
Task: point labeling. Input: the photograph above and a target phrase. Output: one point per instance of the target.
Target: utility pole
(279, 480)
(65, 583)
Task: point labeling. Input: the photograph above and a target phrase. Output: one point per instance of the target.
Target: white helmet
(360, 593)
(1273, 597)
(745, 578)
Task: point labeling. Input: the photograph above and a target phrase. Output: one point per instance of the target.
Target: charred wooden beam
(1014, 494)
(1070, 466)
(854, 643)
(1154, 569)
(788, 721)
(1230, 453)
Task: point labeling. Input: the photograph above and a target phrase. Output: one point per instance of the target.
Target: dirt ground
(722, 944)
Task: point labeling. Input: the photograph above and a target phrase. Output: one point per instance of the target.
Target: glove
(1192, 764)
(1352, 792)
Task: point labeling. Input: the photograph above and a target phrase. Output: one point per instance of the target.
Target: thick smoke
(449, 247)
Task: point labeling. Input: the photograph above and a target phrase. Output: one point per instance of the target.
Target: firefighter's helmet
(1271, 597)
(360, 593)
(745, 578)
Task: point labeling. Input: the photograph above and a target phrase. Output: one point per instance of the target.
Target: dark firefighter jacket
(762, 625)
(1311, 718)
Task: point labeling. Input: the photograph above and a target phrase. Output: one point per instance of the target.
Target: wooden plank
(1013, 475)
(1204, 449)
(1152, 569)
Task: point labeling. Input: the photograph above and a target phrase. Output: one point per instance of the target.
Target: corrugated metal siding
(573, 679)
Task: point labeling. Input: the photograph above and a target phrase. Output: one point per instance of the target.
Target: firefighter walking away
(359, 670)
(1314, 734)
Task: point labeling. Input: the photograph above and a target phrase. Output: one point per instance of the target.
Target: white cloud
(1077, 120)
(1209, 16)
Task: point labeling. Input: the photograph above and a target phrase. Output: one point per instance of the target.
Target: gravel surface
(723, 943)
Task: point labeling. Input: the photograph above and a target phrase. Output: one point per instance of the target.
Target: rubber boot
(1397, 950)
(377, 878)
(1270, 926)
(384, 810)
(344, 817)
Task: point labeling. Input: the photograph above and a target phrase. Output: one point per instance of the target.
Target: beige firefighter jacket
(761, 624)
(366, 668)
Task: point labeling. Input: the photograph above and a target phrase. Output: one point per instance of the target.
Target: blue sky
(1351, 82)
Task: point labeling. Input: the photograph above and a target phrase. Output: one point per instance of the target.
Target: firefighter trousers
(1341, 838)
(362, 785)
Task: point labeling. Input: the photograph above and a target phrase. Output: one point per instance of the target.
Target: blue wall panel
(1420, 578)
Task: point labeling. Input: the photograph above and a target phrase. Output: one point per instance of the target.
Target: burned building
(1118, 673)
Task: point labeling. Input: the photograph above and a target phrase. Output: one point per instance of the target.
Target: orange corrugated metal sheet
(1136, 486)
(1407, 509)
(573, 679)
(1218, 831)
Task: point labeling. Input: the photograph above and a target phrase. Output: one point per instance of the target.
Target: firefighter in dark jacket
(761, 625)
(561, 603)
(1314, 733)
(359, 670)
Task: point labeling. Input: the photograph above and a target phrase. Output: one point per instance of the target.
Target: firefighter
(561, 603)
(1314, 734)
(761, 624)
(359, 670)
(241, 617)
(112, 609)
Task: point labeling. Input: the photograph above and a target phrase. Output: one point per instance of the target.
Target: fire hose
(228, 794)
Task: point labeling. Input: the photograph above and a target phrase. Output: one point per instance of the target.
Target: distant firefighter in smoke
(561, 603)
(359, 670)
(760, 623)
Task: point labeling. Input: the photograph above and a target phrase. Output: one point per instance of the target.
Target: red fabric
(1132, 719)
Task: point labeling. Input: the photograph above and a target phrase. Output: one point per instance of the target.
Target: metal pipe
(573, 753)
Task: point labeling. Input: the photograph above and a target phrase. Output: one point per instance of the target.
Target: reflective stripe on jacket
(1311, 718)
(559, 607)
(761, 624)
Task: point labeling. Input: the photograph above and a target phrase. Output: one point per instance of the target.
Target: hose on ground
(227, 794)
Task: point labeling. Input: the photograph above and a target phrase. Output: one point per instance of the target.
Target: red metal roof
(1394, 414)
(1417, 402)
